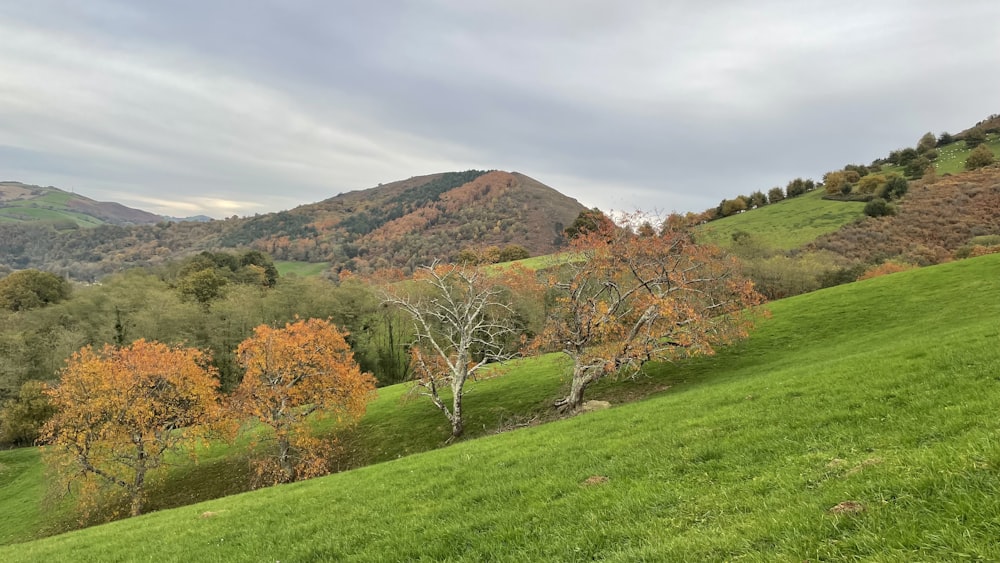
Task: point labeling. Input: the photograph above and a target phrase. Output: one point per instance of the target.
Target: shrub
(979, 157)
(878, 207)
(885, 268)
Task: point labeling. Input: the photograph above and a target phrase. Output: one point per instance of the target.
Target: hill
(64, 210)
(837, 432)
(398, 225)
(932, 223)
(786, 224)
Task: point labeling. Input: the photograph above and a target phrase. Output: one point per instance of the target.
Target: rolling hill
(397, 225)
(838, 431)
(64, 210)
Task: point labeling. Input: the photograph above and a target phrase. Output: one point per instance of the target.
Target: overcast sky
(229, 107)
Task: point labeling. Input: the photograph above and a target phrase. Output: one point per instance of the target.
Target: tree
(979, 157)
(30, 289)
(975, 137)
(758, 199)
(202, 286)
(775, 194)
(907, 156)
(120, 410)
(733, 206)
(896, 186)
(834, 182)
(630, 300)
(461, 321)
(513, 252)
(945, 138)
(292, 372)
(926, 143)
(22, 418)
(589, 220)
(917, 167)
(798, 187)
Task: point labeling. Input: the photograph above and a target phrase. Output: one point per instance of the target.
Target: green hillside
(951, 157)
(859, 422)
(25, 203)
(786, 224)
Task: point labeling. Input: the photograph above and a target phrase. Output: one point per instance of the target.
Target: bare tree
(462, 319)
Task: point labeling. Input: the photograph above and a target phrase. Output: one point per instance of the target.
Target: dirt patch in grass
(594, 480)
(848, 507)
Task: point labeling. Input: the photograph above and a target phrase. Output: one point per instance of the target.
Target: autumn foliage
(632, 299)
(292, 372)
(120, 410)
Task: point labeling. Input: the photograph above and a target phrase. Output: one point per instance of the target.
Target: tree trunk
(136, 491)
(457, 424)
(284, 458)
(581, 380)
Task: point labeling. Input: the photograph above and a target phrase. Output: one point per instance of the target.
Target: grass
(301, 269)
(785, 225)
(14, 212)
(951, 157)
(877, 397)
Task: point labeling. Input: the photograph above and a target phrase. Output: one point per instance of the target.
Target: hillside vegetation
(397, 225)
(62, 210)
(838, 431)
(787, 224)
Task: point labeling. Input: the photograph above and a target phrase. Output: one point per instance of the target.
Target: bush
(878, 207)
(979, 157)
(23, 417)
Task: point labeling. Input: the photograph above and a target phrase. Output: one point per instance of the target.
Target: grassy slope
(951, 158)
(881, 392)
(303, 269)
(787, 224)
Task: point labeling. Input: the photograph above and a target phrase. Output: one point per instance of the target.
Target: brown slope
(412, 222)
(932, 223)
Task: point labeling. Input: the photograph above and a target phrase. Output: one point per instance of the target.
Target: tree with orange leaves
(120, 410)
(292, 372)
(631, 299)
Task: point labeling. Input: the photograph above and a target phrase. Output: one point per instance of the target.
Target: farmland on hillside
(808, 441)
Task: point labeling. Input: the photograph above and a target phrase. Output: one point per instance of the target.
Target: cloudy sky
(229, 107)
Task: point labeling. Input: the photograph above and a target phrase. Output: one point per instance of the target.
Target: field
(301, 269)
(951, 157)
(859, 422)
(787, 224)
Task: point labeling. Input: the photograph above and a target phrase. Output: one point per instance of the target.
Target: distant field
(15, 211)
(302, 269)
(842, 430)
(951, 158)
(787, 224)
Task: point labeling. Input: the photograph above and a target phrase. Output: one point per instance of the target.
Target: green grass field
(787, 224)
(858, 423)
(951, 157)
(301, 269)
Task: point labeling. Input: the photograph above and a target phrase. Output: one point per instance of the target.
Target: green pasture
(857, 423)
(787, 224)
(301, 269)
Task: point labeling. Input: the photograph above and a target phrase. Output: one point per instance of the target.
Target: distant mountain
(64, 210)
(402, 224)
(192, 219)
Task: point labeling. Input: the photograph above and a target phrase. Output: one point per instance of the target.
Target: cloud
(236, 108)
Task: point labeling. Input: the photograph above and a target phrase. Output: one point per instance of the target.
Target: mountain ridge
(401, 224)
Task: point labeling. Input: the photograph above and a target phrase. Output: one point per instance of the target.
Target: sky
(226, 107)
